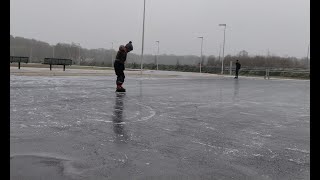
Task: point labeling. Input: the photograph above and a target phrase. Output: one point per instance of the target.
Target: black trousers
(237, 72)
(119, 68)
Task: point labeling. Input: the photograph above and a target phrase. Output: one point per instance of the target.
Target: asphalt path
(175, 127)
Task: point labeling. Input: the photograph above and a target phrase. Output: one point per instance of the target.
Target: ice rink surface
(182, 126)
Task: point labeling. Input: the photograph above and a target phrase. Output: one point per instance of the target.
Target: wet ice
(255, 124)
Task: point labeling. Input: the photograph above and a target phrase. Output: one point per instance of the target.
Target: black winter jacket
(238, 66)
(121, 56)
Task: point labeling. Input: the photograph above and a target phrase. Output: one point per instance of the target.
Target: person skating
(119, 66)
(238, 66)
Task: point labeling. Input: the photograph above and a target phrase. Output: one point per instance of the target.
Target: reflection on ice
(117, 118)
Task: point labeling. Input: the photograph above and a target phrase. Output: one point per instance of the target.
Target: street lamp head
(222, 24)
(157, 41)
(200, 37)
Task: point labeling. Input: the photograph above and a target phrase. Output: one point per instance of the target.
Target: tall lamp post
(144, 11)
(111, 54)
(79, 52)
(224, 38)
(219, 51)
(201, 52)
(157, 55)
(30, 54)
(308, 62)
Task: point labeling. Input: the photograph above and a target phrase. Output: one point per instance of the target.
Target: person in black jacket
(119, 65)
(238, 66)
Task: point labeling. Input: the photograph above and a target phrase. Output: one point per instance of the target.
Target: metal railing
(268, 72)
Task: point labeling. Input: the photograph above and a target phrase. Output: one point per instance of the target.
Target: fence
(275, 72)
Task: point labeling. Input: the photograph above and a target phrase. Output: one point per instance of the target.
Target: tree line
(38, 50)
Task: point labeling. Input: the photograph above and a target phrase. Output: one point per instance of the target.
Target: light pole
(224, 38)
(79, 53)
(219, 51)
(30, 54)
(308, 62)
(201, 52)
(144, 11)
(157, 55)
(111, 54)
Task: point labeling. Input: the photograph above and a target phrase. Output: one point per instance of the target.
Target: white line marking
(100, 120)
(248, 114)
(300, 150)
(203, 144)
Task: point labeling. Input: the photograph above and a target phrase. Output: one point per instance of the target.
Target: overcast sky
(281, 27)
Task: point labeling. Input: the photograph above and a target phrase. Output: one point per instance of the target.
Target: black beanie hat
(129, 46)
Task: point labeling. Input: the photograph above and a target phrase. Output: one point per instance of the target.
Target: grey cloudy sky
(280, 26)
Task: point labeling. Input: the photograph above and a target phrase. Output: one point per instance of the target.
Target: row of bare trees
(38, 50)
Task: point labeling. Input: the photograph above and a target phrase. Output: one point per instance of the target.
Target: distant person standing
(238, 66)
(119, 65)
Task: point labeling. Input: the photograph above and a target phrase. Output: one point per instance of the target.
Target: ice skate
(120, 89)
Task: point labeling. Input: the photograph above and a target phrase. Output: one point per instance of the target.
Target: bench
(57, 61)
(19, 59)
